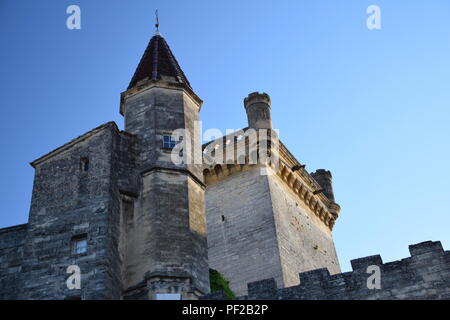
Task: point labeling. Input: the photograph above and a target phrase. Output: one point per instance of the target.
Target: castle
(140, 225)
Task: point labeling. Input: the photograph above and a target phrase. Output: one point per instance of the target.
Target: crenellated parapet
(219, 166)
(423, 275)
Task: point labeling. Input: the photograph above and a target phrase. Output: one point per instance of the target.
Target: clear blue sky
(371, 106)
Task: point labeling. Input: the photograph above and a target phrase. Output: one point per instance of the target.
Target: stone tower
(265, 220)
(115, 205)
(257, 107)
(165, 249)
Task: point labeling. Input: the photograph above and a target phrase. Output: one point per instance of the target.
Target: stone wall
(424, 275)
(167, 238)
(304, 241)
(258, 226)
(241, 230)
(75, 195)
(11, 253)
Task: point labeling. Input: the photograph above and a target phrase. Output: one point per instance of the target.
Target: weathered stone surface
(11, 255)
(404, 279)
(258, 227)
(70, 200)
(241, 230)
(166, 237)
(304, 241)
(257, 106)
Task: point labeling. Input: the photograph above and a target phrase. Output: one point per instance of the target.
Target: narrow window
(216, 147)
(84, 164)
(79, 244)
(169, 142)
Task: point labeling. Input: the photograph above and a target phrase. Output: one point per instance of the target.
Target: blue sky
(372, 106)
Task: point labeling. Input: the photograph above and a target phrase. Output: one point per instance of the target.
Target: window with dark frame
(169, 142)
(79, 244)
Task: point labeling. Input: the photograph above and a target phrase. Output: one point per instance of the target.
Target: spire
(157, 23)
(158, 63)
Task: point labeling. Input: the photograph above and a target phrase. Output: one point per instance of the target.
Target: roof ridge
(73, 141)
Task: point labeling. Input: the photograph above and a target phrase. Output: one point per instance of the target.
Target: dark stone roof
(159, 63)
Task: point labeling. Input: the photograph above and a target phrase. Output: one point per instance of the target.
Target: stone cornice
(323, 208)
(149, 84)
(177, 170)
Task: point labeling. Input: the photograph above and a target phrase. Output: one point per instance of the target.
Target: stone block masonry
(75, 195)
(424, 275)
(241, 231)
(11, 251)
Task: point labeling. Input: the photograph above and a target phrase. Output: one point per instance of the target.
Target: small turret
(324, 179)
(257, 106)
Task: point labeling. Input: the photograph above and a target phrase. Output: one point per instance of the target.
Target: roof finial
(157, 23)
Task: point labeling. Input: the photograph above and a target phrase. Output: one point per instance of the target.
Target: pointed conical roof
(159, 63)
